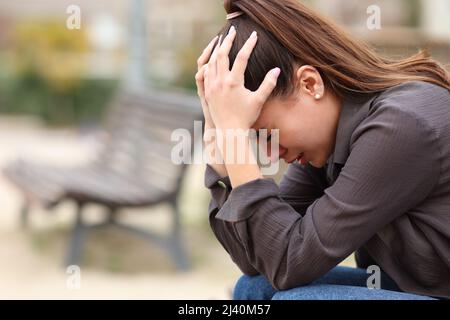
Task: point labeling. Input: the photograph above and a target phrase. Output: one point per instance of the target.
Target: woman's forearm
(239, 158)
(210, 142)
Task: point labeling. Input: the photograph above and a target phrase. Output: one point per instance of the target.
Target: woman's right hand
(202, 64)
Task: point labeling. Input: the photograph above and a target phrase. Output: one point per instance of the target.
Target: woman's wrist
(214, 157)
(243, 166)
(234, 147)
(209, 134)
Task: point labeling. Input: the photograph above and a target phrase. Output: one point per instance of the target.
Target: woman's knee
(253, 288)
(340, 292)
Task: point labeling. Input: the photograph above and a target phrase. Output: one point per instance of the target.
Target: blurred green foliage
(50, 51)
(414, 14)
(187, 55)
(31, 94)
(47, 78)
(187, 58)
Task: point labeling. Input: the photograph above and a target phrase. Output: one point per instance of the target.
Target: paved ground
(116, 265)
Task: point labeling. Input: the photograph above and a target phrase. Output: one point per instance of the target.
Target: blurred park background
(56, 85)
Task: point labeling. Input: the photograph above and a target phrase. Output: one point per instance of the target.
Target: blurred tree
(50, 50)
(415, 7)
(186, 56)
(48, 78)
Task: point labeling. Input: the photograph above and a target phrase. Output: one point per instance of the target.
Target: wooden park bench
(133, 169)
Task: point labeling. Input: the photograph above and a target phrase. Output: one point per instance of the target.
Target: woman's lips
(302, 161)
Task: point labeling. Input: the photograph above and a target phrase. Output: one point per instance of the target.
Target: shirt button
(222, 184)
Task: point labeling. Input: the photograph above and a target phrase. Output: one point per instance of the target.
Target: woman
(368, 140)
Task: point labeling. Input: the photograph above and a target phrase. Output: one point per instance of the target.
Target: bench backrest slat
(139, 128)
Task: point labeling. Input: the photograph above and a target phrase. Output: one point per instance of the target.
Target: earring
(317, 96)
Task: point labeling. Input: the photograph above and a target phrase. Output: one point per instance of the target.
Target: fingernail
(253, 35)
(232, 30)
(276, 72)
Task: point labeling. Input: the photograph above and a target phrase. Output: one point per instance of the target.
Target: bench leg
(75, 249)
(175, 246)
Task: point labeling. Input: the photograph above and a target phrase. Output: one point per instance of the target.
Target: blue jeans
(341, 283)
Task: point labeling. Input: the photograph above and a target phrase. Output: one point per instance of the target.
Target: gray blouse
(384, 193)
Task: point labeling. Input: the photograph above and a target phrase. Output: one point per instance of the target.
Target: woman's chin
(317, 164)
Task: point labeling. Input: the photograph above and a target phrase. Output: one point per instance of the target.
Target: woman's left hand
(231, 105)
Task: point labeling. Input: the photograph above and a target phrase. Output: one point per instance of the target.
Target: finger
(267, 86)
(204, 57)
(200, 81)
(240, 65)
(206, 79)
(223, 61)
(212, 64)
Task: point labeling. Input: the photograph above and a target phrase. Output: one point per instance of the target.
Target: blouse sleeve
(300, 187)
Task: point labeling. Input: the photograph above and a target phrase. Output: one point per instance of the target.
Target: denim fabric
(341, 283)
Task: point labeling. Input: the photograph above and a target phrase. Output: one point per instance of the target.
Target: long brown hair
(291, 34)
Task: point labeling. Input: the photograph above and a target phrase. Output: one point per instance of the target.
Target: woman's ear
(310, 82)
